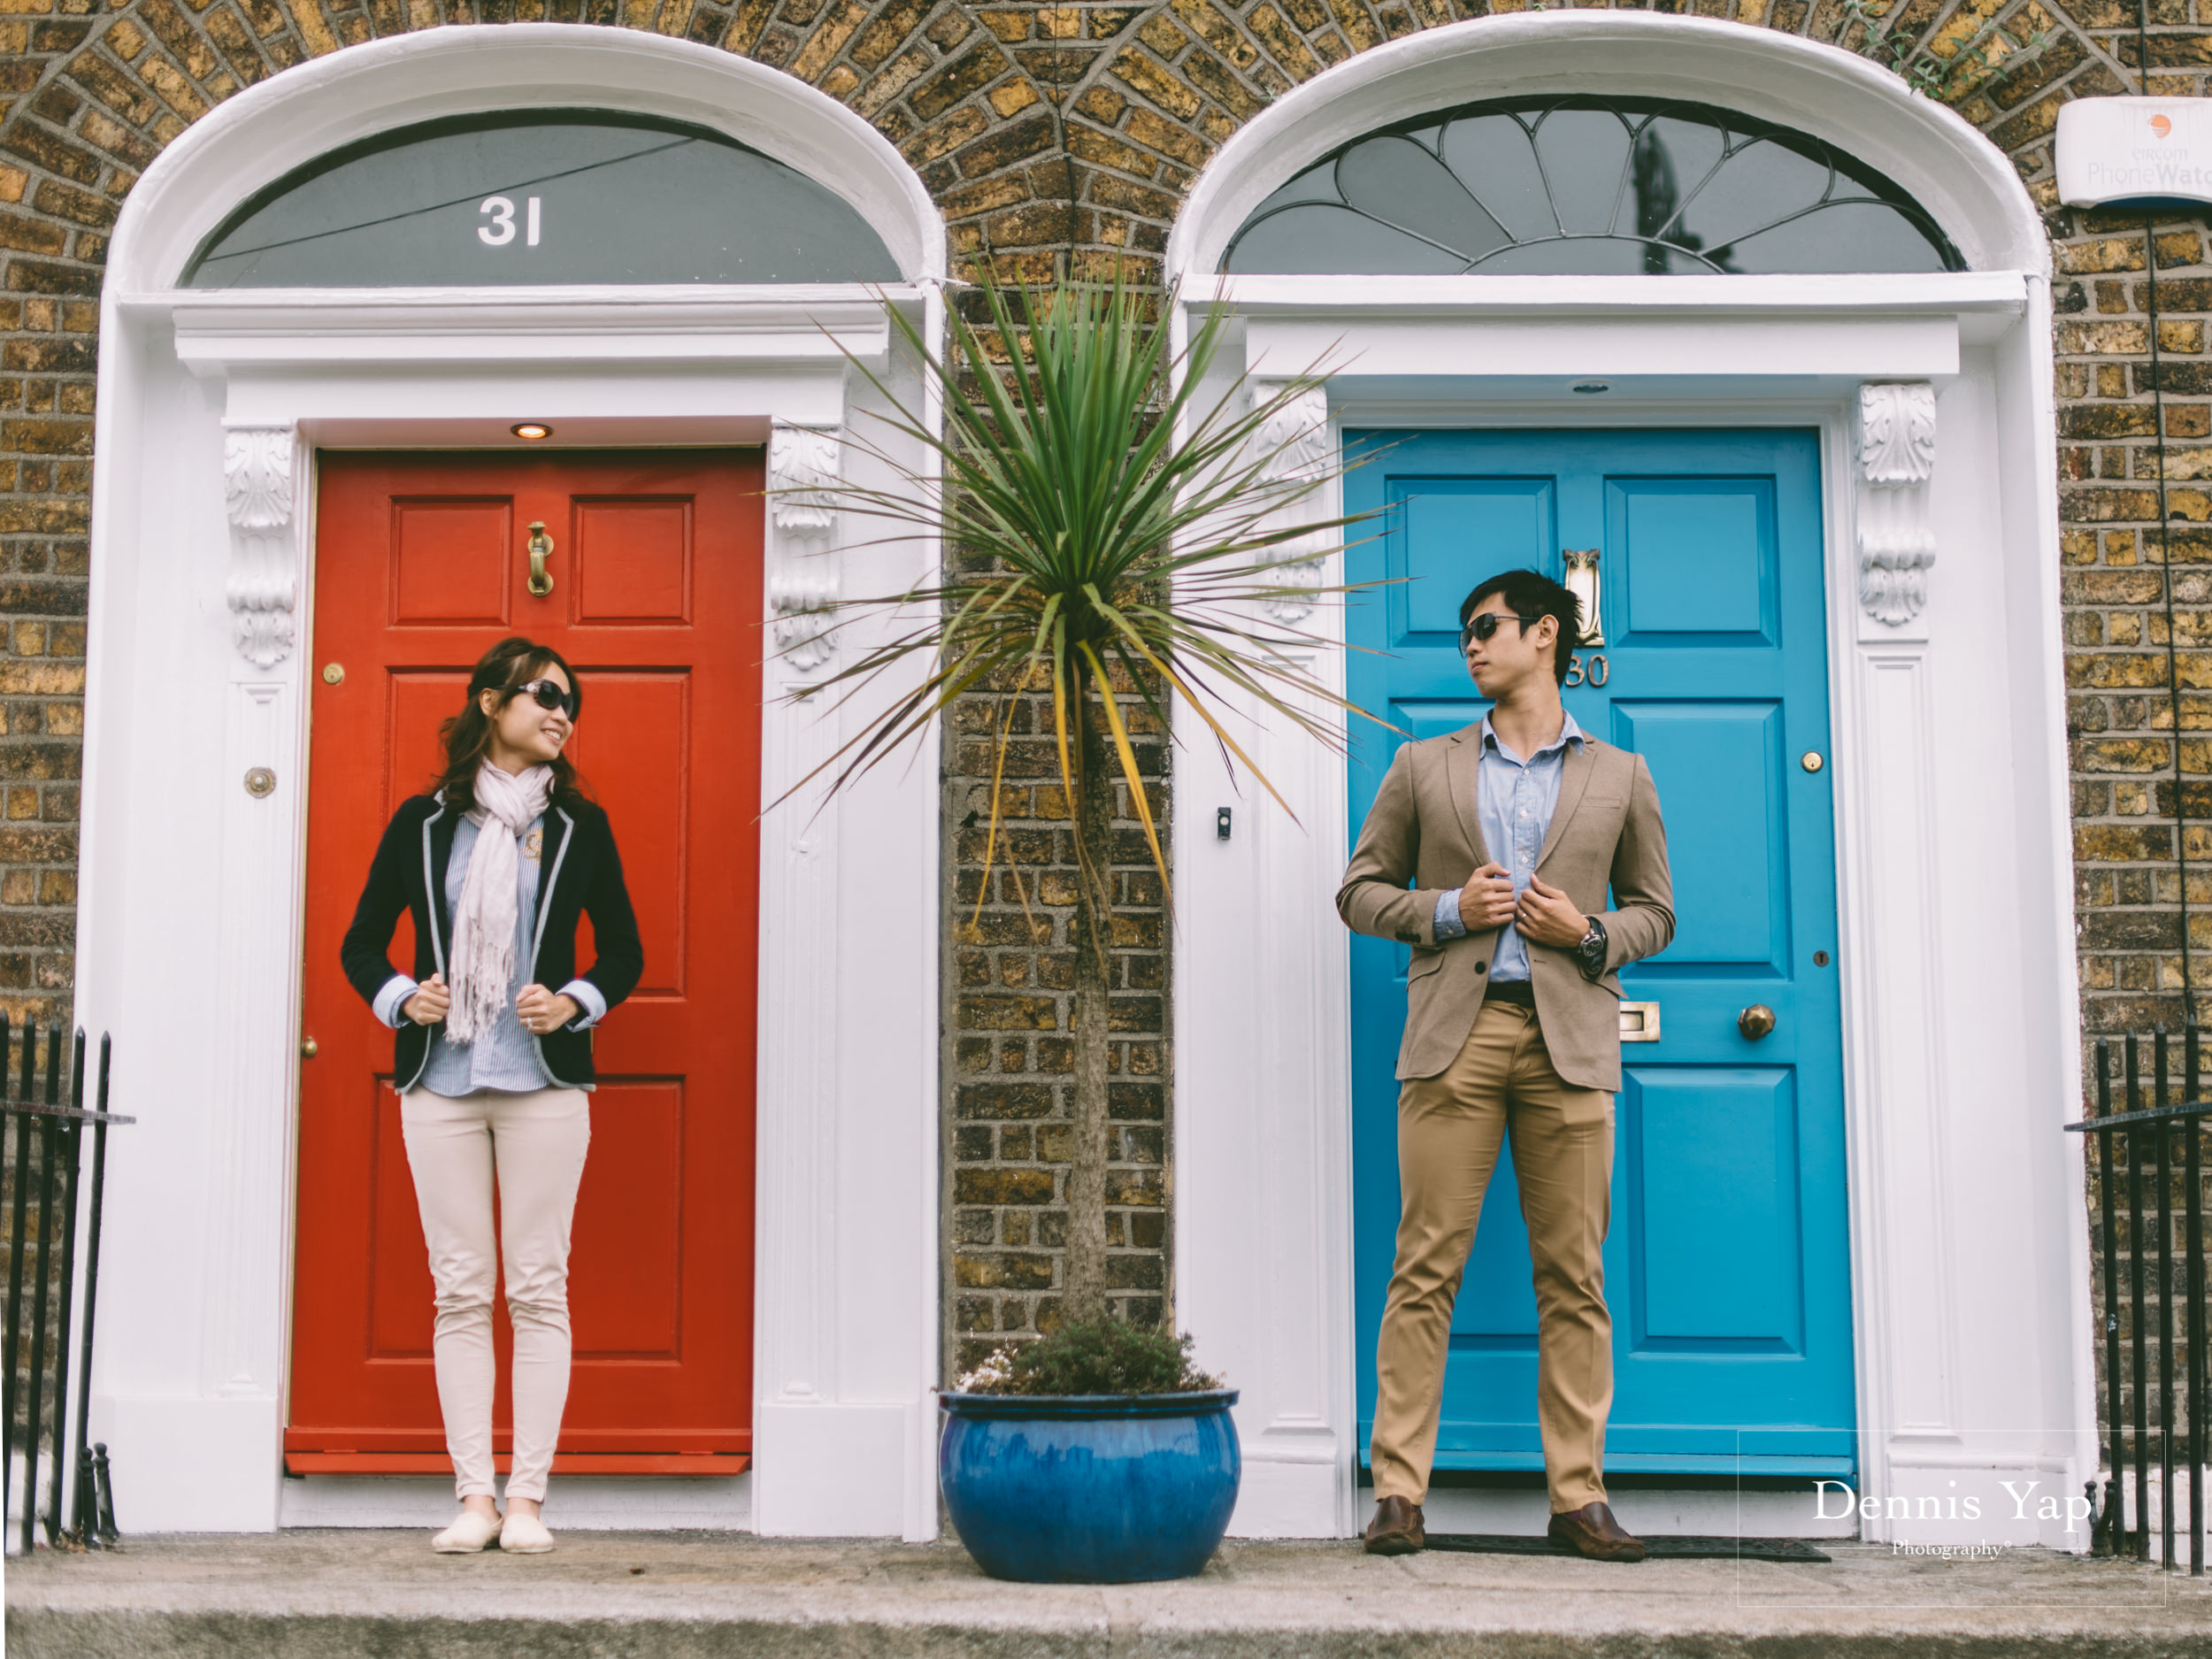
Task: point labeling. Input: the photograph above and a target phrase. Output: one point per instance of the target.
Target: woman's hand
(428, 1005)
(541, 1011)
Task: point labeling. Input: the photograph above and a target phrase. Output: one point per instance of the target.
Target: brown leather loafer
(1592, 1531)
(1396, 1528)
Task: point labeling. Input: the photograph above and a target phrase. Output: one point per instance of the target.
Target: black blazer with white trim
(583, 875)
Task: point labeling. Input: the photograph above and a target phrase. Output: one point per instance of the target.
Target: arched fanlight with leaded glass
(542, 196)
(1561, 186)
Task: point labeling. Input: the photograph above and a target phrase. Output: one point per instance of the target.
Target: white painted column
(1262, 1095)
(262, 787)
(812, 1461)
(1904, 1263)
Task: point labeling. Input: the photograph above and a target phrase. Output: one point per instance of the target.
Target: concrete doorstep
(705, 1595)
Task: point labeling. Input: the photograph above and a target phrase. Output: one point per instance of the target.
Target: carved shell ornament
(1296, 438)
(1897, 427)
(803, 463)
(257, 476)
(1897, 433)
(261, 587)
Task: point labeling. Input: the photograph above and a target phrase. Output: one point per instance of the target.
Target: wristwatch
(1591, 951)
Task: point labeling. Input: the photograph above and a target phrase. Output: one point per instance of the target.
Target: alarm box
(2135, 152)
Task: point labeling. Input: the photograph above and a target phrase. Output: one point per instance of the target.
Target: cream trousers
(534, 1144)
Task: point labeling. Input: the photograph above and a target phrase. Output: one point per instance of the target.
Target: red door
(422, 562)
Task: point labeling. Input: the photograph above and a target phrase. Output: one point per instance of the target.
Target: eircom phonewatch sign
(2134, 152)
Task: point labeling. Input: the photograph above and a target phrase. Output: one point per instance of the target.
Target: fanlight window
(1576, 185)
(541, 197)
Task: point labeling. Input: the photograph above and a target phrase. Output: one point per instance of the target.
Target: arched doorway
(262, 368)
(1911, 386)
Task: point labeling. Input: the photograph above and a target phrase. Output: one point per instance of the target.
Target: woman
(496, 865)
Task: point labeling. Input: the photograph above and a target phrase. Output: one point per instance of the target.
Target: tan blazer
(1424, 835)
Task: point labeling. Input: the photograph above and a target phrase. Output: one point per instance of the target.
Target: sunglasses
(548, 694)
(1486, 625)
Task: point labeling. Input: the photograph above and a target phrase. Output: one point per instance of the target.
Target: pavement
(718, 1595)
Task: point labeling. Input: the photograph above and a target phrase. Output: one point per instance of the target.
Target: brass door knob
(307, 1049)
(1755, 1021)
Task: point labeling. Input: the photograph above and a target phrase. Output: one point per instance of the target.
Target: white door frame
(211, 407)
(1954, 863)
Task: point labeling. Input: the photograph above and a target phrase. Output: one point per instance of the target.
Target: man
(1489, 850)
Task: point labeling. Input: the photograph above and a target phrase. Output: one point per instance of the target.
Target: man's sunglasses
(1486, 625)
(548, 694)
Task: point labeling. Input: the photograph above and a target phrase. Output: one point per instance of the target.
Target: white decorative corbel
(1295, 440)
(802, 587)
(1896, 442)
(260, 485)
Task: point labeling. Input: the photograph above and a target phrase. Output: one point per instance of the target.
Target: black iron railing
(44, 1149)
(2145, 1143)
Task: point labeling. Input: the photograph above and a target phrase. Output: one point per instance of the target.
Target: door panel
(422, 562)
(647, 771)
(633, 561)
(449, 563)
(1725, 839)
(625, 1259)
(1698, 555)
(1714, 1157)
(1728, 1258)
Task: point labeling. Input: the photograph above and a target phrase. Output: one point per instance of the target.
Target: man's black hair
(1532, 595)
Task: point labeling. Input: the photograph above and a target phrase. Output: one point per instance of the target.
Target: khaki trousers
(536, 1143)
(1450, 1130)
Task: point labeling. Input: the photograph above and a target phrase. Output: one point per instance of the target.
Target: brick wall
(2120, 717)
(1010, 1060)
(46, 349)
(1045, 131)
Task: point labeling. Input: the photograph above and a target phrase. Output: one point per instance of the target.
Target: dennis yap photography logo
(2023, 1502)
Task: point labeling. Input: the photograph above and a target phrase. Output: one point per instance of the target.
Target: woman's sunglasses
(1485, 625)
(548, 694)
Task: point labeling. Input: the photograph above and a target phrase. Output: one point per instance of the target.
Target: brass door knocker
(540, 545)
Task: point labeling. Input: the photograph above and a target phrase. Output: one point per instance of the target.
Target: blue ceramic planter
(1090, 1488)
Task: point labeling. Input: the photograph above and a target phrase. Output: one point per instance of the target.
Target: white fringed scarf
(483, 956)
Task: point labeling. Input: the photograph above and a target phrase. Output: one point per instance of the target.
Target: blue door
(1727, 1264)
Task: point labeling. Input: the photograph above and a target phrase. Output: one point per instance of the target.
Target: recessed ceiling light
(1588, 388)
(537, 429)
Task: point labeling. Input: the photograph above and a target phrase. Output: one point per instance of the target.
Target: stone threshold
(306, 1595)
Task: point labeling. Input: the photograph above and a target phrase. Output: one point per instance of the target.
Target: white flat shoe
(525, 1535)
(467, 1535)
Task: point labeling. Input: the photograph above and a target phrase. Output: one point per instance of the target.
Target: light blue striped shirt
(1514, 800)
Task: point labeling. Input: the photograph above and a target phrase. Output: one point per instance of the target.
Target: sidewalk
(718, 1595)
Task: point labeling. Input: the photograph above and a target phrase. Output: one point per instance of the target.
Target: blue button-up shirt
(1514, 800)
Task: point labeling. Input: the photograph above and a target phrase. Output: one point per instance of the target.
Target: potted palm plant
(1111, 533)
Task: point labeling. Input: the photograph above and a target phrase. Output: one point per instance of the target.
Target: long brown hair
(508, 666)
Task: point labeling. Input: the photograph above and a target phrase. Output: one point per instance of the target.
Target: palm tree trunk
(1084, 1291)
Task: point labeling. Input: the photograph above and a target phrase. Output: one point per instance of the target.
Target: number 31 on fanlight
(499, 212)
(1593, 671)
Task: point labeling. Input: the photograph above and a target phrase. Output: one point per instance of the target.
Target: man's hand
(428, 1005)
(1548, 916)
(1486, 901)
(541, 1011)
